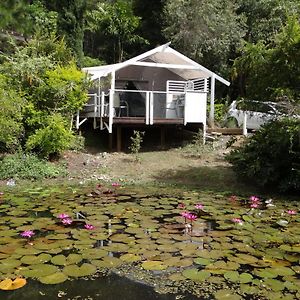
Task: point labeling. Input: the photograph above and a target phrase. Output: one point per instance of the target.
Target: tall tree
(264, 18)
(205, 30)
(116, 25)
(151, 24)
(10, 13)
(271, 71)
(71, 22)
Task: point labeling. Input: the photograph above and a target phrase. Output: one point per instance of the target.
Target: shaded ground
(183, 164)
(201, 167)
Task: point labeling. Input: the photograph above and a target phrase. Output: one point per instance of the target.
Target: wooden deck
(142, 121)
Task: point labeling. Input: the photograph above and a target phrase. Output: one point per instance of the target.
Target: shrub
(220, 112)
(28, 166)
(136, 141)
(11, 127)
(46, 91)
(51, 139)
(271, 157)
(77, 143)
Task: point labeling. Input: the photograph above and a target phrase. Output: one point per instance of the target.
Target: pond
(139, 243)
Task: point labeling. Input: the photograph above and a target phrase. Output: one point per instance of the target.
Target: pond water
(133, 243)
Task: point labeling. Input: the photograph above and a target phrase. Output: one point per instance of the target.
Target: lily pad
(265, 273)
(203, 261)
(34, 260)
(196, 275)
(93, 253)
(274, 284)
(37, 271)
(56, 278)
(9, 285)
(226, 294)
(154, 265)
(107, 262)
(232, 276)
(129, 258)
(176, 277)
(245, 278)
(282, 271)
(76, 271)
(62, 260)
(9, 264)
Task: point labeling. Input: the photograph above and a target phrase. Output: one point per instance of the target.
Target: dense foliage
(28, 166)
(271, 157)
(114, 26)
(215, 33)
(206, 39)
(43, 91)
(272, 70)
(11, 128)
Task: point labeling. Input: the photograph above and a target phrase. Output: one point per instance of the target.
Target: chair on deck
(120, 106)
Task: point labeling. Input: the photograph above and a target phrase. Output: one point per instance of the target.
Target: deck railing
(120, 103)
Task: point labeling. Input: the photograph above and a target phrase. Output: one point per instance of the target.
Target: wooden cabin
(160, 87)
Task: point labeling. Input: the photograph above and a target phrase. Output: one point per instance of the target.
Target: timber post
(110, 142)
(119, 138)
(163, 137)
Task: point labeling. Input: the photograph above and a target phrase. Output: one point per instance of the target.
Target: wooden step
(229, 131)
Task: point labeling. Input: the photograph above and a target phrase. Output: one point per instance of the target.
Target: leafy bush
(64, 89)
(28, 166)
(136, 143)
(46, 81)
(77, 143)
(220, 112)
(271, 157)
(10, 117)
(51, 139)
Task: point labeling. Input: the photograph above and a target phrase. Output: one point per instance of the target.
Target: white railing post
(98, 106)
(77, 120)
(245, 132)
(102, 104)
(151, 109)
(147, 108)
(95, 111)
(111, 110)
(185, 111)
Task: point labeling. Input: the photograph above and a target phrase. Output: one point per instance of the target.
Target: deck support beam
(119, 138)
(163, 137)
(110, 141)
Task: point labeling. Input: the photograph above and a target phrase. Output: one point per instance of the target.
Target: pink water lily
(27, 234)
(181, 205)
(254, 199)
(199, 206)
(67, 221)
(63, 216)
(89, 226)
(115, 184)
(184, 214)
(191, 217)
(254, 205)
(1, 193)
(237, 220)
(291, 212)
